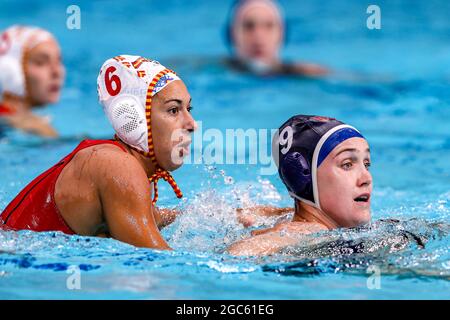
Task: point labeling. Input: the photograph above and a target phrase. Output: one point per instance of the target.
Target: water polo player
(324, 164)
(255, 33)
(31, 75)
(103, 188)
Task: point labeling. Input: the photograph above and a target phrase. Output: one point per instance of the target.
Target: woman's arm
(260, 245)
(32, 123)
(309, 69)
(126, 201)
(248, 216)
(275, 239)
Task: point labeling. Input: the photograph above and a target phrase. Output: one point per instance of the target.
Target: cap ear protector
(127, 117)
(295, 171)
(228, 29)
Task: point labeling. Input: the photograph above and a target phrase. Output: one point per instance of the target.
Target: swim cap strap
(159, 174)
(148, 113)
(163, 174)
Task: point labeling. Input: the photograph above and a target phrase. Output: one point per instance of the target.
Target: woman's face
(44, 73)
(345, 183)
(258, 33)
(172, 125)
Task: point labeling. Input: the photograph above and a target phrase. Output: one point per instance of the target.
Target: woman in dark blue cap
(324, 164)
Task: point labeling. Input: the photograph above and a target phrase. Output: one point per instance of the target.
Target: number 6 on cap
(110, 80)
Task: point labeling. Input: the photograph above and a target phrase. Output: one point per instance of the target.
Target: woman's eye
(38, 63)
(190, 108)
(346, 165)
(173, 110)
(367, 164)
(270, 25)
(249, 25)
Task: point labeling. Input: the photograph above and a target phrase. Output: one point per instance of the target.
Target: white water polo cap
(15, 42)
(126, 85)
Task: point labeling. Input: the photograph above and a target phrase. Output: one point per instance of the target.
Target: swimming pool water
(391, 83)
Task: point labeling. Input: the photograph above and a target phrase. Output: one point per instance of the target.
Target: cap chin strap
(325, 217)
(308, 202)
(160, 173)
(165, 175)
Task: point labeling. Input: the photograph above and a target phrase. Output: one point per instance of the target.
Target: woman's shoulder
(292, 227)
(108, 159)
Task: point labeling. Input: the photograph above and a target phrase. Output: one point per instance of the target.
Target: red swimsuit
(34, 208)
(5, 111)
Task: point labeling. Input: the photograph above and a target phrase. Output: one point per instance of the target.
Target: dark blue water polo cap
(301, 144)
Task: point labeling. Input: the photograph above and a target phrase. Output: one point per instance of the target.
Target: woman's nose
(191, 124)
(57, 70)
(365, 178)
(260, 33)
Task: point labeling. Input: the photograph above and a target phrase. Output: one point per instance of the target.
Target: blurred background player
(256, 31)
(31, 76)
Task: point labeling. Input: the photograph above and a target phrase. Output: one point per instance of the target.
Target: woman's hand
(164, 217)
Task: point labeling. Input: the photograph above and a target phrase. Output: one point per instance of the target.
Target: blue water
(391, 83)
